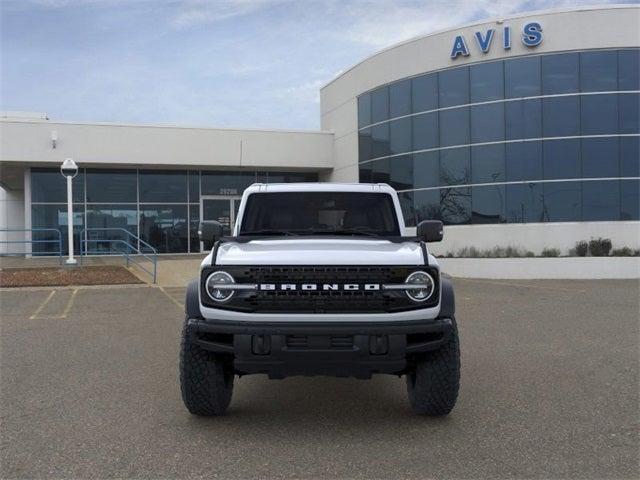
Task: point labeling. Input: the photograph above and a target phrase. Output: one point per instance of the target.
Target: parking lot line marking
(69, 304)
(42, 305)
(180, 306)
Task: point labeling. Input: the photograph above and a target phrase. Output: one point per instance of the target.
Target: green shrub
(550, 252)
(625, 252)
(581, 248)
(600, 247)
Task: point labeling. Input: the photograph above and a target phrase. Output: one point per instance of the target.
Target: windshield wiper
(269, 232)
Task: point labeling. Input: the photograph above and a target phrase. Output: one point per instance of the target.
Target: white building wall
(11, 217)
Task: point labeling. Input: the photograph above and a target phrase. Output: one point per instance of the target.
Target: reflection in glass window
(380, 105)
(194, 186)
(365, 145)
(560, 73)
(163, 186)
(194, 222)
(55, 217)
(424, 92)
(401, 172)
(400, 135)
(630, 200)
(523, 161)
(524, 203)
(364, 173)
(427, 205)
(561, 202)
(380, 140)
(488, 204)
(454, 127)
(49, 186)
(400, 98)
(487, 123)
(599, 71)
(406, 204)
(487, 81)
(599, 114)
(487, 164)
(523, 119)
(425, 131)
(629, 69)
(165, 227)
(112, 186)
(455, 205)
(381, 170)
(561, 159)
(522, 77)
(600, 200)
(426, 169)
(226, 183)
(455, 166)
(114, 218)
(600, 157)
(364, 110)
(629, 113)
(453, 87)
(630, 156)
(561, 116)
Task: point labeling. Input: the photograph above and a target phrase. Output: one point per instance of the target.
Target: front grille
(319, 342)
(319, 301)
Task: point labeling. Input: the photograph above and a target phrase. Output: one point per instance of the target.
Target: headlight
(424, 286)
(215, 286)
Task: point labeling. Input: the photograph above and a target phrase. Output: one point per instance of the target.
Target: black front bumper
(314, 348)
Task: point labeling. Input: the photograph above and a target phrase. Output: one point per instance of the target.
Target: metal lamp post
(69, 169)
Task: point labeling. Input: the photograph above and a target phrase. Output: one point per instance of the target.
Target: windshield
(319, 213)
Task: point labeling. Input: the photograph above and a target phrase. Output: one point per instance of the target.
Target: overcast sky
(227, 63)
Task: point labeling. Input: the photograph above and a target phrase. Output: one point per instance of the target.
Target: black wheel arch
(192, 300)
(448, 299)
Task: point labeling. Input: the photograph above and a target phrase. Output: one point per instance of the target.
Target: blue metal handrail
(32, 241)
(128, 252)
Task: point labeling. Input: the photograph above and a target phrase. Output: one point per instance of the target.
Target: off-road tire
(206, 381)
(433, 384)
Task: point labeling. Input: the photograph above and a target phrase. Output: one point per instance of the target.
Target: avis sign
(531, 37)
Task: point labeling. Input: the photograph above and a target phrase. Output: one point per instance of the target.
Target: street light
(69, 169)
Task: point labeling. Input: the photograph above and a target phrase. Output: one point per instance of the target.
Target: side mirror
(430, 231)
(210, 233)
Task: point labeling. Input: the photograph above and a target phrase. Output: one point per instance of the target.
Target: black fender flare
(448, 299)
(192, 299)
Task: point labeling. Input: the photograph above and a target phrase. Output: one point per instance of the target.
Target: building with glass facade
(521, 131)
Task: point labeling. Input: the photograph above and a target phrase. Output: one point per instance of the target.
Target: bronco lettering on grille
(316, 286)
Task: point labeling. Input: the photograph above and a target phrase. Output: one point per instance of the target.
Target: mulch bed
(56, 276)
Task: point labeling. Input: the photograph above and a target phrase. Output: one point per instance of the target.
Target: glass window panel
(226, 183)
(454, 127)
(427, 205)
(630, 200)
(163, 186)
(599, 71)
(455, 166)
(488, 204)
(600, 200)
(630, 157)
(522, 77)
(400, 135)
(380, 105)
(561, 159)
(194, 186)
(599, 114)
(408, 212)
(487, 164)
(455, 205)
(487, 81)
(194, 222)
(523, 119)
(112, 186)
(560, 73)
(561, 202)
(425, 131)
(401, 172)
(365, 172)
(487, 123)
(49, 186)
(424, 93)
(364, 110)
(380, 170)
(524, 203)
(629, 113)
(291, 177)
(600, 157)
(165, 227)
(561, 116)
(380, 141)
(115, 218)
(400, 98)
(629, 69)
(523, 161)
(365, 145)
(54, 216)
(426, 169)
(453, 87)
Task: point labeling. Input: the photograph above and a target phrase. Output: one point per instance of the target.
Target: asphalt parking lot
(550, 382)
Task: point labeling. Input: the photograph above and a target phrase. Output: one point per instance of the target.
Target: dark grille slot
(297, 341)
(342, 342)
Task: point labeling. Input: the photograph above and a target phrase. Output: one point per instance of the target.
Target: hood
(314, 251)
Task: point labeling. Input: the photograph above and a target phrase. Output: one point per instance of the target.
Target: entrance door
(220, 209)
